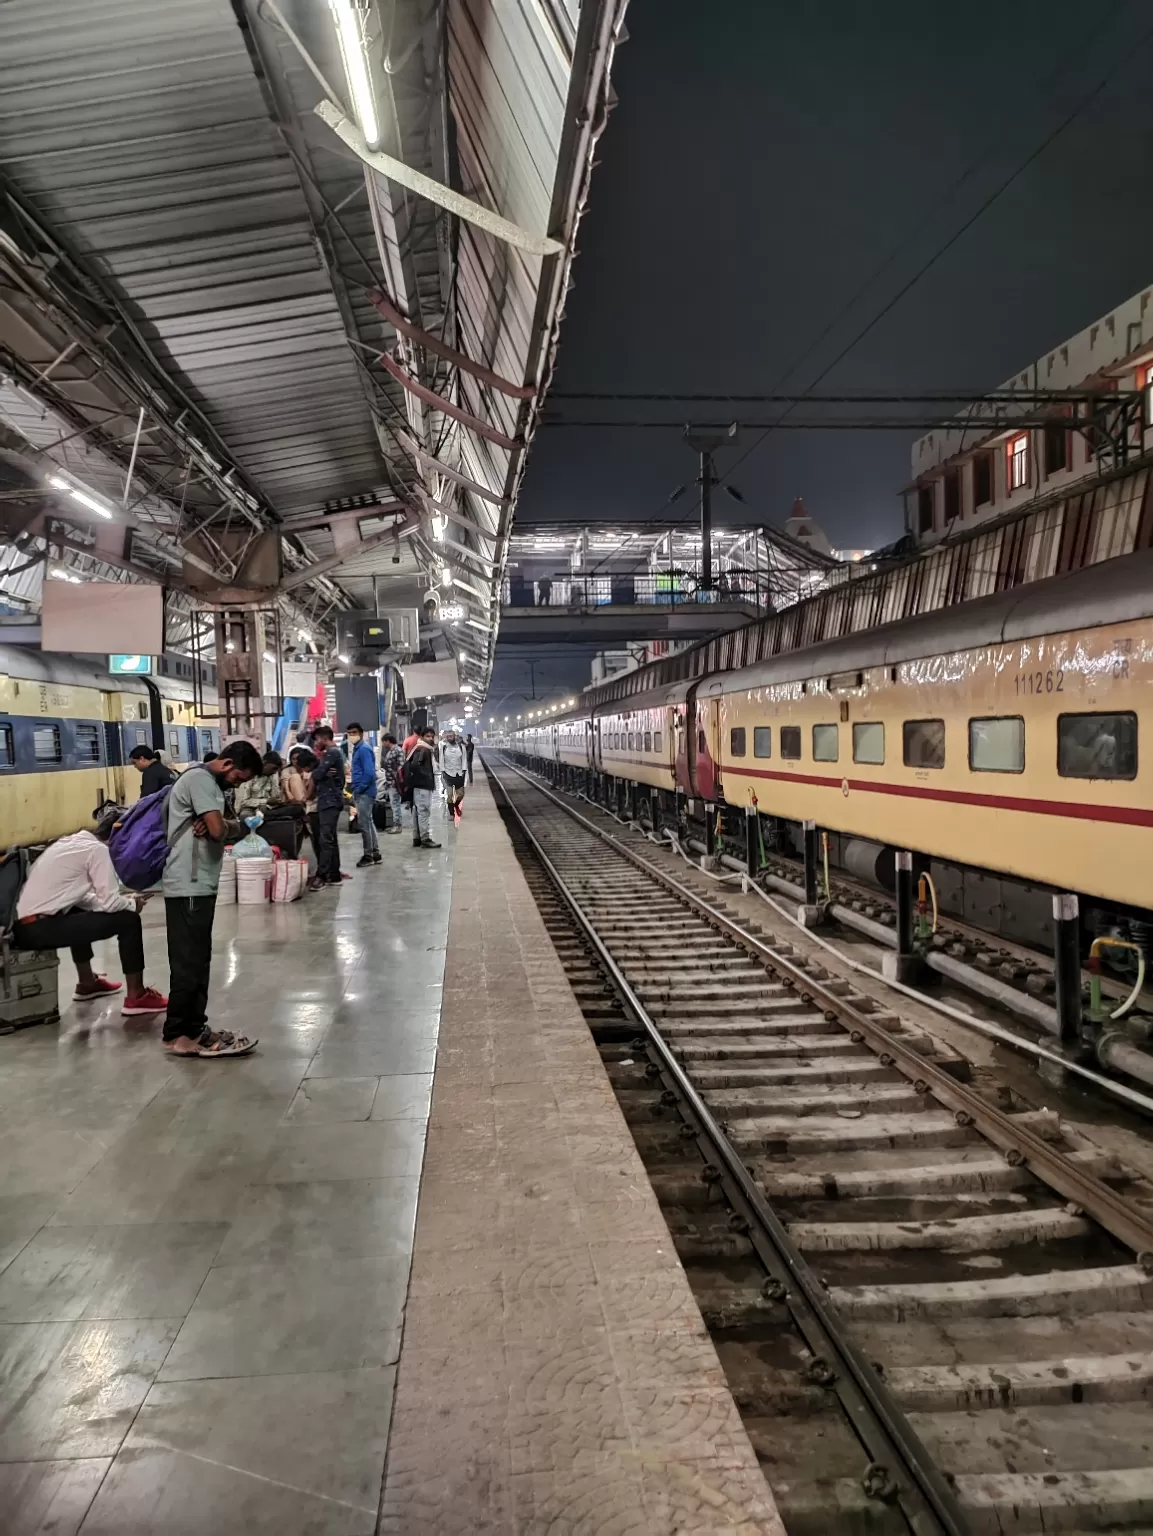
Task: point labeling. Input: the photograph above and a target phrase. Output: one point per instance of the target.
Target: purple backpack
(140, 844)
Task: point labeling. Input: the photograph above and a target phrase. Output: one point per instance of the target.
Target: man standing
(469, 749)
(452, 766)
(544, 587)
(328, 782)
(391, 758)
(197, 831)
(420, 778)
(363, 786)
(154, 774)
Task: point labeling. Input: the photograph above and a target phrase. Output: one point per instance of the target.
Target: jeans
(421, 814)
(364, 807)
(397, 806)
(470, 767)
(189, 920)
(75, 930)
(328, 851)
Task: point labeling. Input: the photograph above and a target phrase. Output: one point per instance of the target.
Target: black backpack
(14, 867)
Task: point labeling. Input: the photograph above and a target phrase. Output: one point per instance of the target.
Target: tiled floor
(203, 1265)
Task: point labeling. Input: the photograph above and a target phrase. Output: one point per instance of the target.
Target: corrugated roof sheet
(140, 133)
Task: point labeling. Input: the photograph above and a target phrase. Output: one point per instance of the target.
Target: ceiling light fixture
(350, 31)
(63, 575)
(58, 483)
(344, 661)
(446, 575)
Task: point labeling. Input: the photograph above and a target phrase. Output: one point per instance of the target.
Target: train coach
(66, 731)
(1001, 741)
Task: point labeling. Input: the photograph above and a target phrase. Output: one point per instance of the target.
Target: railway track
(933, 1302)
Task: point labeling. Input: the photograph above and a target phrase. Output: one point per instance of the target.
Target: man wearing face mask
(363, 786)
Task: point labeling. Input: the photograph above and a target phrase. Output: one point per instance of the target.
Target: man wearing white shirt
(71, 898)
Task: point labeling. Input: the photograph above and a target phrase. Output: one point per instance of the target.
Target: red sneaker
(102, 988)
(149, 1001)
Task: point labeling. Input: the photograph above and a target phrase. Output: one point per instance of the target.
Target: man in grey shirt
(197, 831)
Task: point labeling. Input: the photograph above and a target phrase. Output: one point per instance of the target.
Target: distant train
(66, 729)
(999, 740)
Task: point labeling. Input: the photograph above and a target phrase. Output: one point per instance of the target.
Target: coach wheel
(645, 813)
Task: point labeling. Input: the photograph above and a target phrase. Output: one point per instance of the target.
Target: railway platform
(281, 1295)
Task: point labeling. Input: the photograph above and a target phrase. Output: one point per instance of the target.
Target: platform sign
(130, 666)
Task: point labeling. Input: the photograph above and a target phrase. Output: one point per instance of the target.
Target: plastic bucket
(226, 892)
(253, 881)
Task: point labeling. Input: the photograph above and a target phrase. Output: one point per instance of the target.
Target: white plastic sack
(289, 879)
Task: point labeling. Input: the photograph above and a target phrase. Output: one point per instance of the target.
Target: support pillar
(710, 829)
(809, 912)
(1067, 968)
(752, 842)
(906, 965)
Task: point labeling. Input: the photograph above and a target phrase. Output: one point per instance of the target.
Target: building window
(46, 744)
(869, 742)
(997, 745)
(1097, 746)
(762, 741)
(1017, 461)
(826, 744)
(982, 479)
(1056, 447)
(7, 749)
(737, 741)
(791, 741)
(923, 742)
(952, 495)
(87, 743)
(925, 509)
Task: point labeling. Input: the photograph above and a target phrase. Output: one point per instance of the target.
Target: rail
(896, 1451)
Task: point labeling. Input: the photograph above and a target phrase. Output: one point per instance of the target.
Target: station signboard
(130, 666)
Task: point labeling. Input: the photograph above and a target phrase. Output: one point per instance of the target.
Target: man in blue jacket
(363, 788)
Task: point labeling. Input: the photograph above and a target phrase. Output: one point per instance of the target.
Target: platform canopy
(280, 285)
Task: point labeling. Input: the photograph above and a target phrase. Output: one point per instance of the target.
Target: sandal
(218, 1043)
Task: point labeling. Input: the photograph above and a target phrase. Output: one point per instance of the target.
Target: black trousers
(189, 920)
(328, 853)
(76, 930)
(470, 767)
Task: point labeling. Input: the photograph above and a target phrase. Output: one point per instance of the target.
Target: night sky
(764, 162)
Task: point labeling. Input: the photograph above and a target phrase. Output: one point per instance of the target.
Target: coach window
(656, 741)
(632, 741)
(648, 741)
(762, 741)
(7, 749)
(924, 743)
(87, 744)
(174, 744)
(46, 744)
(869, 742)
(790, 741)
(737, 741)
(826, 744)
(1095, 746)
(997, 744)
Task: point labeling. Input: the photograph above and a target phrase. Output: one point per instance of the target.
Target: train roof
(1115, 591)
(28, 664)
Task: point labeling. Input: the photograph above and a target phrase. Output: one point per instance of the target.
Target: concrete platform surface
(203, 1265)
(555, 1375)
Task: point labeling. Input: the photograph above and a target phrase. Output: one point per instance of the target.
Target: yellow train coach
(66, 731)
(1001, 741)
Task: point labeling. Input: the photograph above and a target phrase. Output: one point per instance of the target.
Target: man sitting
(71, 898)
